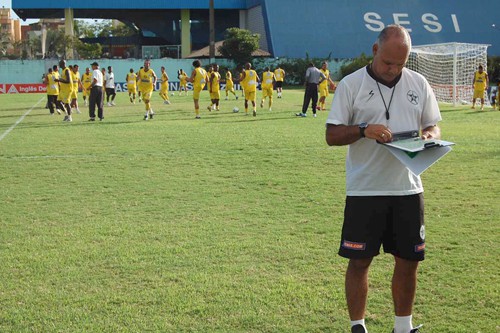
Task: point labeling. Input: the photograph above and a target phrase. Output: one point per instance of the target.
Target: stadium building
(288, 28)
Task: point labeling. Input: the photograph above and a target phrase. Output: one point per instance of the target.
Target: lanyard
(383, 100)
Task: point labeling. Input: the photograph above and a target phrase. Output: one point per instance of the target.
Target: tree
(239, 45)
(88, 51)
(356, 64)
(5, 42)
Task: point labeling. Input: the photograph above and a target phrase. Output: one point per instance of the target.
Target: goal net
(449, 68)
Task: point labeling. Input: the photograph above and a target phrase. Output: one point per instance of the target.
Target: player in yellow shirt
(65, 89)
(480, 83)
(250, 80)
(52, 91)
(267, 87)
(229, 84)
(198, 78)
(77, 85)
(131, 80)
(214, 88)
(146, 82)
(86, 81)
(182, 76)
(324, 86)
(279, 76)
(164, 86)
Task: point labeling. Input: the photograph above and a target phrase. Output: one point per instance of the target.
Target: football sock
(402, 324)
(359, 322)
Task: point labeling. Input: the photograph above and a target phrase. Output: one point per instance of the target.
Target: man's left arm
(431, 132)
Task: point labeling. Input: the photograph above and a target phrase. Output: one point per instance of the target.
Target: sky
(8, 4)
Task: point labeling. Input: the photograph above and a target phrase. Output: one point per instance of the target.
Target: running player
(249, 81)
(131, 80)
(229, 84)
(279, 75)
(182, 82)
(267, 87)
(198, 79)
(164, 86)
(77, 84)
(65, 89)
(146, 83)
(214, 88)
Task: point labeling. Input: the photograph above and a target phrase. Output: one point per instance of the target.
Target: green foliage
(295, 69)
(239, 44)
(356, 64)
(5, 42)
(494, 69)
(88, 51)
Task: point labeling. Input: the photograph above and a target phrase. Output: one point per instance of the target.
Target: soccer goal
(449, 68)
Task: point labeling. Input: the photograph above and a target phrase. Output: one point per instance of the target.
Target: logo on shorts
(420, 247)
(353, 245)
(422, 232)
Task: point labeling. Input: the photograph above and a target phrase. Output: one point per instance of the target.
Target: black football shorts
(396, 222)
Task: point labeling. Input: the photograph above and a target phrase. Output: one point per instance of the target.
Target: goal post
(449, 68)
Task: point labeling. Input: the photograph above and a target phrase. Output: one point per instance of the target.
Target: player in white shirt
(110, 86)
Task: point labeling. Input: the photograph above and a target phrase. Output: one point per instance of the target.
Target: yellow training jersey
(52, 85)
(279, 74)
(87, 80)
(75, 76)
(480, 80)
(145, 79)
(200, 78)
(250, 80)
(215, 82)
(183, 79)
(324, 83)
(66, 88)
(267, 79)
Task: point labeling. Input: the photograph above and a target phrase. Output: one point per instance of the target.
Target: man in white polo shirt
(384, 204)
(96, 93)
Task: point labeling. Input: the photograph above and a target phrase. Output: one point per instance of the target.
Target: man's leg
(307, 98)
(314, 96)
(356, 287)
(404, 286)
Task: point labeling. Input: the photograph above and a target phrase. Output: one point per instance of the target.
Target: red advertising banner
(8, 88)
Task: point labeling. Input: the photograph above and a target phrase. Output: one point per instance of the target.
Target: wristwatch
(362, 128)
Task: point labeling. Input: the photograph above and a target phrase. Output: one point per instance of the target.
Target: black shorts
(278, 84)
(396, 222)
(110, 91)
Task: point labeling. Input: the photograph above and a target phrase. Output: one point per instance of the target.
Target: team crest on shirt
(412, 97)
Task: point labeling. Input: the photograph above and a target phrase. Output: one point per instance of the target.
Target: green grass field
(226, 224)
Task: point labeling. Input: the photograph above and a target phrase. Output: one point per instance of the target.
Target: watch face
(363, 125)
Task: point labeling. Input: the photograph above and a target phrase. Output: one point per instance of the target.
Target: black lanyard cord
(383, 100)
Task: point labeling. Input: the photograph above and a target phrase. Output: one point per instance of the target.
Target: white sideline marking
(19, 120)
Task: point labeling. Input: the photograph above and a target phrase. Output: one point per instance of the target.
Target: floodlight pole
(211, 19)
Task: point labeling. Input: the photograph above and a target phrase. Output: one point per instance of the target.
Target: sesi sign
(429, 21)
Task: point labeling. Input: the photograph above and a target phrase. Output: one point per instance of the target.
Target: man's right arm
(340, 135)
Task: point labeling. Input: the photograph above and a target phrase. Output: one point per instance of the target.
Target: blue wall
(346, 28)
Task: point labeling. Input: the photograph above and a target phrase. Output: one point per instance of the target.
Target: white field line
(4, 134)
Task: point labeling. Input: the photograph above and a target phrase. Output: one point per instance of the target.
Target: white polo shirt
(371, 170)
(97, 74)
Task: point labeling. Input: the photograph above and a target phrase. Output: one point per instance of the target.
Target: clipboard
(415, 153)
